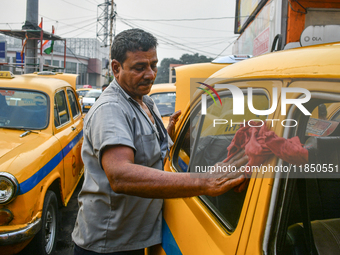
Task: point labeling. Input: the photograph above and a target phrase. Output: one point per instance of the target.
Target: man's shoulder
(107, 104)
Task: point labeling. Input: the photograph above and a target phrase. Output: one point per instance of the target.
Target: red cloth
(260, 143)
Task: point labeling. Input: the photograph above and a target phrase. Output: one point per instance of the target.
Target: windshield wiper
(27, 132)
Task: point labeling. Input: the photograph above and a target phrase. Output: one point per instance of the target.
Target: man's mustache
(147, 82)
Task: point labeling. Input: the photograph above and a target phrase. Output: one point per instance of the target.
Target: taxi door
(77, 143)
(68, 131)
(204, 224)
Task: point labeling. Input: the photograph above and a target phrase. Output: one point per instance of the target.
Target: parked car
(81, 93)
(40, 163)
(90, 98)
(68, 77)
(164, 95)
(292, 209)
(186, 73)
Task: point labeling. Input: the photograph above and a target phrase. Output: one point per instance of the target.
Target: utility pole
(103, 31)
(102, 22)
(112, 31)
(31, 23)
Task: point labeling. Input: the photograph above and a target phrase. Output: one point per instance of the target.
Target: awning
(31, 34)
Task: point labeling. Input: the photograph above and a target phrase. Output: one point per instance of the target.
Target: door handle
(73, 128)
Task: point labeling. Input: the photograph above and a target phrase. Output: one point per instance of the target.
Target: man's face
(137, 73)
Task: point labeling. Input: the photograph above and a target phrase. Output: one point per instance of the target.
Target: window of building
(71, 67)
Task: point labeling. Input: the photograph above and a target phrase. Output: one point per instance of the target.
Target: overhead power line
(176, 25)
(195, 19)
(80, 28)
(165, 39)
(78, 6)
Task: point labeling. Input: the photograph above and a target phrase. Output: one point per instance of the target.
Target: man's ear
(116, 67)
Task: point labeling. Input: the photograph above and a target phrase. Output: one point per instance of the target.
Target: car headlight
(9, 187)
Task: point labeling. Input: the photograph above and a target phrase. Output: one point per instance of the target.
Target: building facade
(84, 57)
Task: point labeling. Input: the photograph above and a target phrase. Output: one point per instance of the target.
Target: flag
(47, 46)
(23, 49)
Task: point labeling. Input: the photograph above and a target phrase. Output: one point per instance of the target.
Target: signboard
(245, 13)
(18, 58)
(261, 43)
(257, 38)
(3, 52)
(313, 35)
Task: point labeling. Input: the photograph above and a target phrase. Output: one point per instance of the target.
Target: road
(67, 219)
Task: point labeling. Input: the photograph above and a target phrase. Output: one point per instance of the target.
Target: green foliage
(185, 59)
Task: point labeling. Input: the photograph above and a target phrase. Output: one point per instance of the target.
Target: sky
(181, 26)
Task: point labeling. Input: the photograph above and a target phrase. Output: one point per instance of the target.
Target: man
(104, 87)
(124, 147)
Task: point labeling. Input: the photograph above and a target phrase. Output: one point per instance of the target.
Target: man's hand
(172, 123)
(219, 182)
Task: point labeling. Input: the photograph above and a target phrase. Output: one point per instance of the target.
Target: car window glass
(202, 145)
(320, 179)
(94, 93)
(23, 109)
(165, 102)
(73, 103)
(61, 114)
(82, 92)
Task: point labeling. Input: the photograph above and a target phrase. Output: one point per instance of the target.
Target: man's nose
(150, 73)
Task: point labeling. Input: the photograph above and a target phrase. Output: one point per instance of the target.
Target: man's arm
(131, 179)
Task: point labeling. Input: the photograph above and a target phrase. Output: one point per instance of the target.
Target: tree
(185, 59)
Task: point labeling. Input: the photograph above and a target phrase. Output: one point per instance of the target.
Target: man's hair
(131, 40)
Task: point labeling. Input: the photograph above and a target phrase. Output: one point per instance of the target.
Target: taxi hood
(10, 140)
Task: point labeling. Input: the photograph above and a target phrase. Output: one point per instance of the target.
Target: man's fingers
(241, 161)
(234, 174)
(233, 183)
(239, 155)
(235, 157)
(175, 115)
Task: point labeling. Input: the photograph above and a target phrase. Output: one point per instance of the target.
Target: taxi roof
(162, 87)
(68, 77)
(320, 61)
(183, 75)
(47, 85)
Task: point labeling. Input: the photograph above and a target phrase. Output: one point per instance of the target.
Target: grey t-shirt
(106, 221)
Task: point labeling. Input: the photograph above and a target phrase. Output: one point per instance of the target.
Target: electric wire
(198, 28)
(78, 6)
(80, 28)
(169, 41)
(79, 59)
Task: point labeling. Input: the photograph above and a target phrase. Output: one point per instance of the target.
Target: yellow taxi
(164, 96)
(40, 163)
(68, 77)
(185, 73)
(82, 92)
(283, 208)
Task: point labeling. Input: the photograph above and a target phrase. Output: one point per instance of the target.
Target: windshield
(82, 92)
(93, 93)
(165, 102)
(23, 109)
